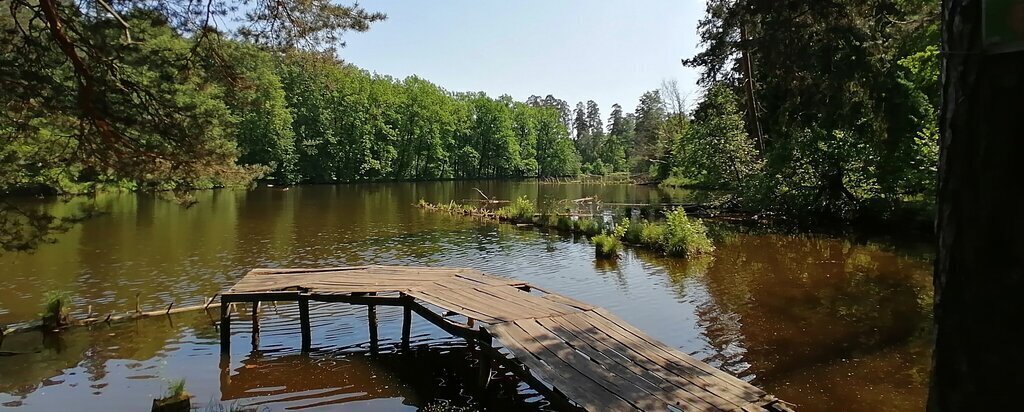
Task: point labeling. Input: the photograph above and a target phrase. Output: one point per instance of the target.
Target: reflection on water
(821, 322)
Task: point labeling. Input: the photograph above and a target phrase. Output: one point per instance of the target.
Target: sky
(606, 51)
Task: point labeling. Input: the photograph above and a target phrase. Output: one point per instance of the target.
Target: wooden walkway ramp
(578, 355)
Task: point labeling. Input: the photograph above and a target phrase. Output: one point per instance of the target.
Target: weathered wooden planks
(593, 358)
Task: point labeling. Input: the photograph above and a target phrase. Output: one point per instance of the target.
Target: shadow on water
(827, 323)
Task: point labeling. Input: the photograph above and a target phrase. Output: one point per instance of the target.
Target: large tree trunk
(979, 273)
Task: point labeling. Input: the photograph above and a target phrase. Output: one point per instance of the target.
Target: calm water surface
(826, 323)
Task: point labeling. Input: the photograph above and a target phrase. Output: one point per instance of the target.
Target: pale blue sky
(608, 51)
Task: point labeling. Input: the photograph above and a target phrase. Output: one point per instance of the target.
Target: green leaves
(844, 91)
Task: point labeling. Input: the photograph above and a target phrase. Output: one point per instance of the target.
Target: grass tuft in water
(520, 210)
(175, 389)
(56, 307)
(587, 226)
(608, 245)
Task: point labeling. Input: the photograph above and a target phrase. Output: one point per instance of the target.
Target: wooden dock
(578, 355)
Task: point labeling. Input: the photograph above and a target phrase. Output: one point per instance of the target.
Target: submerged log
(109, 318)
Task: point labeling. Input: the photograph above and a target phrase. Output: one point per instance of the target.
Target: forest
(824, 112)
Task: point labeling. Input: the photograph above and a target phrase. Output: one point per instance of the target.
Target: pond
(826, 323)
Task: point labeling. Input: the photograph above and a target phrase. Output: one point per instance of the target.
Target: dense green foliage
(147, 96)
(843, 93)
(715, 150)
(809, 109)
(302, 117)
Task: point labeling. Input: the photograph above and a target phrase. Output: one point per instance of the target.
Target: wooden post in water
(484, 341)
(225, 325)
(255, 325)
(307, 336)
(371, 314)
(406, 327)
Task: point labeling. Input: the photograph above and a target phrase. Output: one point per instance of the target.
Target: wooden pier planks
(585, 353)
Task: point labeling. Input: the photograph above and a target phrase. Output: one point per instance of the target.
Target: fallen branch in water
(109, 318)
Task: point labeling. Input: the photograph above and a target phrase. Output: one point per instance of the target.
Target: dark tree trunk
(753, 124)
(979, 273)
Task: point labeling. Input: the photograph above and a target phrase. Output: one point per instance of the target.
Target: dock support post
(406, 327)
(225, 325)
(307, 336)
(255, 325)
(484, 341)
(371, 314)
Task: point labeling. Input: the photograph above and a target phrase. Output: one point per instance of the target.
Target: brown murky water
(826, 323)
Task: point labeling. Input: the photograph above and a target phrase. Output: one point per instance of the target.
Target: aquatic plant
(606, 246)
(175, 389)
(652, 235)
(684, 236)
(587, 226)
(564, 223)
(519, 210)
(56, 307)
(632, 232)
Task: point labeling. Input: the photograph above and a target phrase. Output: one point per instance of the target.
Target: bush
(684, 236)
(520, 210)
(606, 246)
